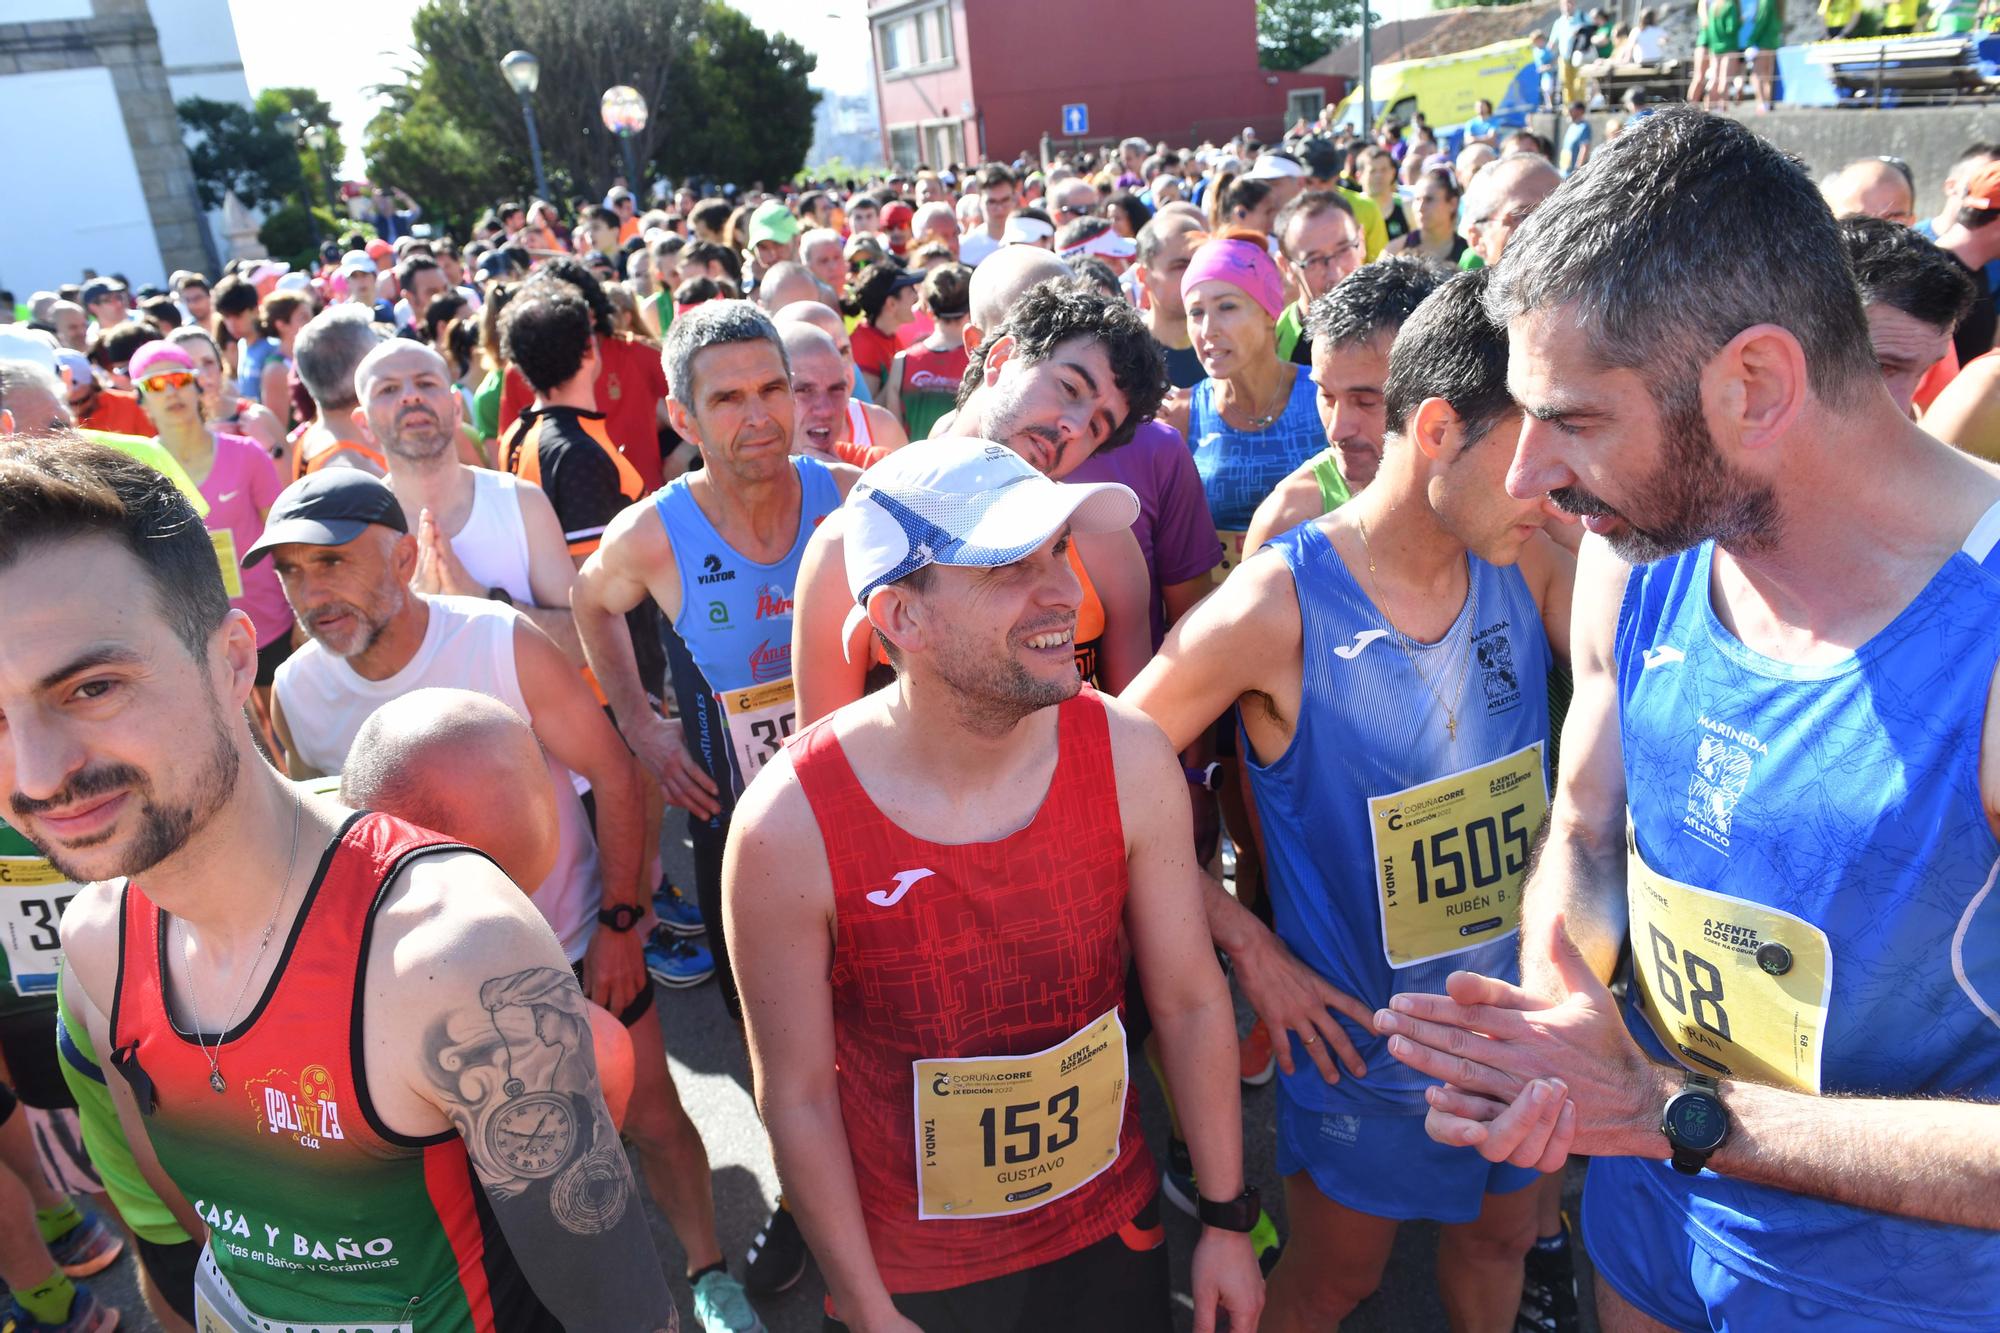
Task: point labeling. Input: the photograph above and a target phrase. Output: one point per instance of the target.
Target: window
(946, 145)
(1303, 104)
(915, 40)
(904, 146)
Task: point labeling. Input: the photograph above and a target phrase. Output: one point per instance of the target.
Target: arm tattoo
(519, 1081)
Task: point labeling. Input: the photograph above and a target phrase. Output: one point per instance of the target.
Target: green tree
(246, 149)
(742, 110)
(416, 145)
(727, 99)
(1291, 34)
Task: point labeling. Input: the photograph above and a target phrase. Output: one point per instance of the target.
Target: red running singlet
(1002, 948)
(318, 1213)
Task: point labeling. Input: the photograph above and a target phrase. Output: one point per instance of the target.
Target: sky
(372, 45)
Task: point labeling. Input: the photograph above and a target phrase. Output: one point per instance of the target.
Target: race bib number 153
(1006, 1134)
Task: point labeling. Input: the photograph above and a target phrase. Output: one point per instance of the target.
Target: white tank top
(859, 432)
(468, 645)
(493, 544)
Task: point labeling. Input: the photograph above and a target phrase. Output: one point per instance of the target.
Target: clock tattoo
(533, 1134)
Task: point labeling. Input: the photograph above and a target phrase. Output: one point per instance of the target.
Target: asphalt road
(706, 1055)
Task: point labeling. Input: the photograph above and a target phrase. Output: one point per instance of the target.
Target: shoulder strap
(1985, 534)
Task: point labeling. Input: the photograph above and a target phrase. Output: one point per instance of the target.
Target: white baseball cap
(970, 503)
(1106, 243)
(1274, 167)
(1025, 230)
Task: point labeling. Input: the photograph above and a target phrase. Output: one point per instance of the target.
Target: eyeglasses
(1075, 210)
(169, 379)
(1339, 252)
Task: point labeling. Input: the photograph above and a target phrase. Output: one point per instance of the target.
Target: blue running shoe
(679, 913)
(720, 1305)
(678, 963)
(86, 1315)
(88, 1247)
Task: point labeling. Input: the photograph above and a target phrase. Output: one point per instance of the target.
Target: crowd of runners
(1525, 629)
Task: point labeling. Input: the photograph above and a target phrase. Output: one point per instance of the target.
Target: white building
(97, 174)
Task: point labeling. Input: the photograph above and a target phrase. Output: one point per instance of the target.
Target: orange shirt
(118, 412)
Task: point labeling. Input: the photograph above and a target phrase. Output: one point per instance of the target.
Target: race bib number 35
(761, 720)
(1450, 855)
(1731, 988)
(1006, 1134)
(33, 894)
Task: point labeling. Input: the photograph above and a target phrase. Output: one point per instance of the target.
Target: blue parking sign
(1076, 118)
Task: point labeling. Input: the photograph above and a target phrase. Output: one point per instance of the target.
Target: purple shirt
(1174, 530)
(240, 488)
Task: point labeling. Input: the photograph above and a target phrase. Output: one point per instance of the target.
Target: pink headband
(1242, 265)
(155, 357)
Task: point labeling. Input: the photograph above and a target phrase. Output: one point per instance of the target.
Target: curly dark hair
(545, 333)
(1054, 312)
(573, 273)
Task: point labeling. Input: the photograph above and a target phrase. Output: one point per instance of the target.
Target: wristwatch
(1208, 777)
(620, 918)
(500, 595)
(1239, 1214)
(1695, 1123)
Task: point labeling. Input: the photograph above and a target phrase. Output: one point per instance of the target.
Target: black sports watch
(1695, 1123)
(1239, 1214)
(620, 918)
(499, 595)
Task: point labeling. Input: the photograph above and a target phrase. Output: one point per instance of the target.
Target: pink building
(968, 80)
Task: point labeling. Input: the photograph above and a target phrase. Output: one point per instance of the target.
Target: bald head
(787, 283)
(411, 757)
(1502, 196)
(1004, 277)
(407, 401)
(806, 340)
(1871, 188)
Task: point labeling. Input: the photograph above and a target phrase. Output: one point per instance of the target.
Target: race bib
(1006, 1134)
(1232, 552)
(224, 543)
(218, 1309)
(33, 894)
(1732, 988)
(760, 720)
(1450, 855)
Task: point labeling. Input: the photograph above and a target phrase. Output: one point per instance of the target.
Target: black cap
(1322, 159)
(330, 507)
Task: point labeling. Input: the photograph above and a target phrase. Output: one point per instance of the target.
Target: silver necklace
(1403, 641)
(214, 1055)
(1261, 422)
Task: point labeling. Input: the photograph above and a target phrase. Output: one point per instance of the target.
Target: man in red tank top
(356, 1047)
(930, 892)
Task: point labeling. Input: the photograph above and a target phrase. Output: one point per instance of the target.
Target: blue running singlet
(1370, 766)
(1811, 885)
(729, 651)
(1240, 467)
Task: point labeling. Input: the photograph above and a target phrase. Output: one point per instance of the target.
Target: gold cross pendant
(1451, 727)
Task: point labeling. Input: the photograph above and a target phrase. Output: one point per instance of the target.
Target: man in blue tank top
(1388, 660)
(718, 550)
(1781, 777)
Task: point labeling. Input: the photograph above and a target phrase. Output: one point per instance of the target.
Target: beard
(995, 690)
(1010, 418)
(419, 435)
(1693, 496)
(366, 628)
(165, 826)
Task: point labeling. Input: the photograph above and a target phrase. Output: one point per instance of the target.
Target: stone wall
(120, 37)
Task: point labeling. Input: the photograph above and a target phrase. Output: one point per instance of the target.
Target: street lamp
(624, 112)
(524, 73)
